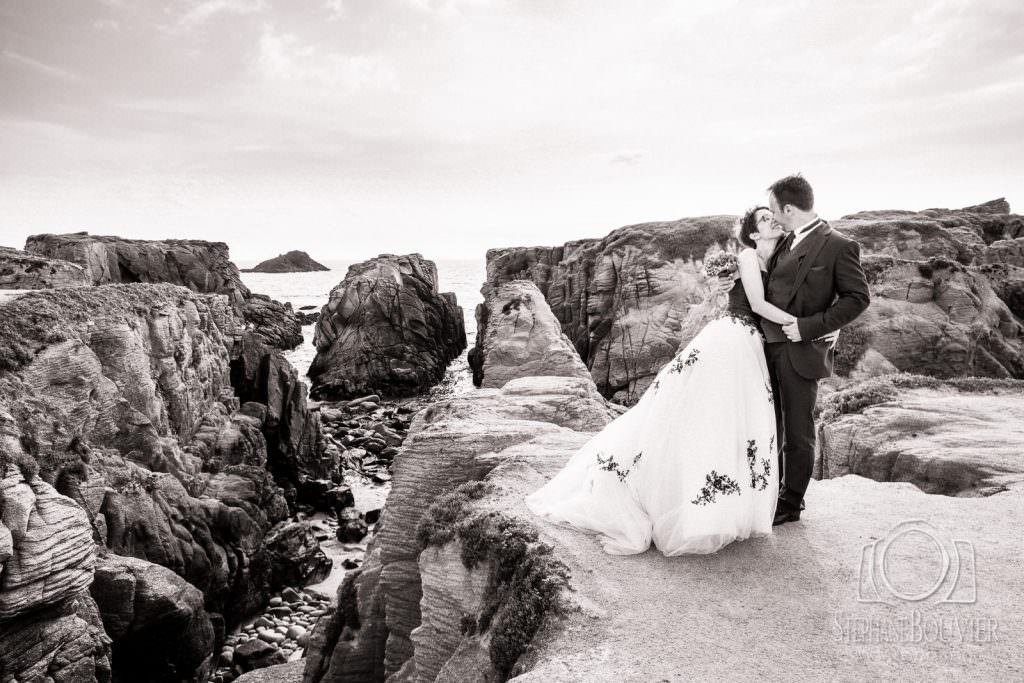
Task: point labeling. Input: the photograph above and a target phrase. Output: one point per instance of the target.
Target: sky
(349, 128)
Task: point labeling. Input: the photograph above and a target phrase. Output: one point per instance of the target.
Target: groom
(814, 274)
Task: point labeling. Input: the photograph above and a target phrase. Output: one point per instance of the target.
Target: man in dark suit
(815, 274)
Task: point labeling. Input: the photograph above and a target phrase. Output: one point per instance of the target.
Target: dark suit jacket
(828, 292)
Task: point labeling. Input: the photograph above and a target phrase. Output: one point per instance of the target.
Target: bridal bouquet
(722, 263)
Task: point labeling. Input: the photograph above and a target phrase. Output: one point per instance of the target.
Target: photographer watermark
(917, 563)
(916, 586)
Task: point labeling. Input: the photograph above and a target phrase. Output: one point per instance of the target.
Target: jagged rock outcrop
(934, 317)
(373, 632)
(952, 276)
(160, 629)
(386, 330)
(291, 262)
(120, 398)
(621, 300)
(21, 270)
(966, 236)
(960, 437)
(201, 266)
(272, 394)
(197, 264)
(518, 336)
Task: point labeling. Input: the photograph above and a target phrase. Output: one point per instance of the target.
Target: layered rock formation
(373, 633)
(947, 293)
(386, 330)
(621, 300)
(518, 336)
(120, 398)
(291, 262)
(21, 270)
(201, 266)
(960, 437)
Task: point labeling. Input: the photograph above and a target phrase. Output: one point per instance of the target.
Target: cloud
(201, 11)
(627, 158)
(106, 25)
(38, 67)
(285, 59)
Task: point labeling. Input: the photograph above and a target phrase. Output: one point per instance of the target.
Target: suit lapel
(812, 246)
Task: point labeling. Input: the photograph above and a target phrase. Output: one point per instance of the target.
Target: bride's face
(767, 228)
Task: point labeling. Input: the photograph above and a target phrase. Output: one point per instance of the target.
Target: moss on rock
(525, 581)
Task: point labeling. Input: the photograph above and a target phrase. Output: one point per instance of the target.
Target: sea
(464, 277)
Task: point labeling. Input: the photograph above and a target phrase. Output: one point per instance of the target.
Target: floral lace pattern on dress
(609, 465)
(716, 483)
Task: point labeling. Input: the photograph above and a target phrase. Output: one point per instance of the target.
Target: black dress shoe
(783, 516)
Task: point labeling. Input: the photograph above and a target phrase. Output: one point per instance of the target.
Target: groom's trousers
(794, 416)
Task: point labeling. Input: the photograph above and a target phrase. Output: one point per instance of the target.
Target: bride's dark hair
(748, 226)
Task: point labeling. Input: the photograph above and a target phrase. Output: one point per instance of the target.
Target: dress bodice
(739, 304)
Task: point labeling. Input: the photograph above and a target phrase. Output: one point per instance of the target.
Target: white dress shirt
(803, 231)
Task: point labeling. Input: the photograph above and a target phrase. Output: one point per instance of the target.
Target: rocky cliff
(947, 293)
(386, 330)
(201, 266)
(291, 262)
(121, 436)
(21, 270)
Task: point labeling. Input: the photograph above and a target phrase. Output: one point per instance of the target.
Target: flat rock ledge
(857, 590)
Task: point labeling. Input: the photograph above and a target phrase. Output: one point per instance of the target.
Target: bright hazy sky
(348, 128)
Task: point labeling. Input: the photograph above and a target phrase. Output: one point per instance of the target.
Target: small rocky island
(292, 262)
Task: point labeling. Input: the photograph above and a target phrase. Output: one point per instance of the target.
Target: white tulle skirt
(692, 466)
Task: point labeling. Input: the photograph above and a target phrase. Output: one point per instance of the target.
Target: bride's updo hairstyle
(748, 226)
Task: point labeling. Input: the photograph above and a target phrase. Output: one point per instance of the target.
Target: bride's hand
(831, 338)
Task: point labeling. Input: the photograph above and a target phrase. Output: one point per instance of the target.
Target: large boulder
(518, 336)
(386, 330)
(450, 443)
(201, 266)
(291, 262)
(960, 437)
(21, 270)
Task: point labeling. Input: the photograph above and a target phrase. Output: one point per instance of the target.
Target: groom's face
(784, 218)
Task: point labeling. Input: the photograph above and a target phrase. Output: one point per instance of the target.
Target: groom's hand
(792, 331)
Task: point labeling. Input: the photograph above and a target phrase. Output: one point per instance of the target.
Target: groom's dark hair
(795, 190)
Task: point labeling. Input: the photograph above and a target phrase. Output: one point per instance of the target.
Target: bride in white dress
(693, 465)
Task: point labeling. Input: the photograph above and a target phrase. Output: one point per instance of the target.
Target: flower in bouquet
(722, 263)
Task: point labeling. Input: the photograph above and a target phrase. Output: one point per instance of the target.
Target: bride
(693, 465)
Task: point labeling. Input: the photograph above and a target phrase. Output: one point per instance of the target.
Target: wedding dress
(693, 465)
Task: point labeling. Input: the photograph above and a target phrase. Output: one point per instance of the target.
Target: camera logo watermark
(917, 563)
(916, 586)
